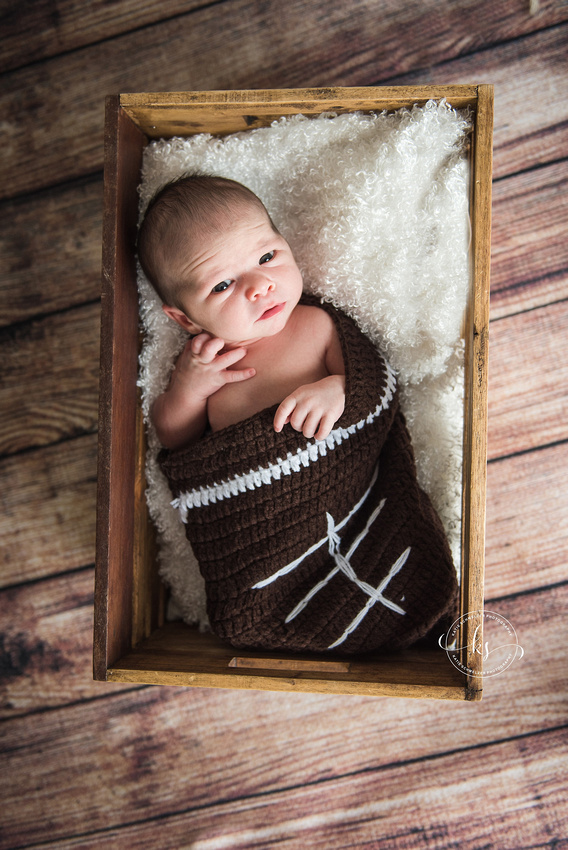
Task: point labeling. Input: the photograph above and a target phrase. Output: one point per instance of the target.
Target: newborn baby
(282, 428)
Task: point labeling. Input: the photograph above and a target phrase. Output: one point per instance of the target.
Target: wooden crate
(132, 643)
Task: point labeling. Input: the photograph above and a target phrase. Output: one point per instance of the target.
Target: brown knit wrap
(256, 505)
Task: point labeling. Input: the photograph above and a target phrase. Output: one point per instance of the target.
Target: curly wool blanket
(317, 545)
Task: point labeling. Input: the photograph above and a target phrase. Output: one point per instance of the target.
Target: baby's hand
(180, 413)
(203, 370)
(313, 409)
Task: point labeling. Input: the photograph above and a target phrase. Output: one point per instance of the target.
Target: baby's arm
(314, 408)
(180, 413)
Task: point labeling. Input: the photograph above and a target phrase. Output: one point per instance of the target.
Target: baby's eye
(266, 258)
(221, 287)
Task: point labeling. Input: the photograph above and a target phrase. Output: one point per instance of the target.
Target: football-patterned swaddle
(308, 545)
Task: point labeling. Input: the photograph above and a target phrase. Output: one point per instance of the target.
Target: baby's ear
(179, 316)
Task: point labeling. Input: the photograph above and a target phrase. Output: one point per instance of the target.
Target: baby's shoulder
(316, 320)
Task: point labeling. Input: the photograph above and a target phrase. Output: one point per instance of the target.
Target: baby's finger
(326, 424)
(197, 342)
(310, 424)
(228, 358)
(210, 349)
(282, 416)
(299, 417)
(233, 375)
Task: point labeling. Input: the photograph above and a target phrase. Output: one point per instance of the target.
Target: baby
(284, 445)
(228, 277)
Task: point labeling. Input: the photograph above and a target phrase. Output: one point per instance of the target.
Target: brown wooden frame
(132, 643)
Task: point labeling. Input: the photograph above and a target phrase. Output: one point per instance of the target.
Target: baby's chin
(265, 328)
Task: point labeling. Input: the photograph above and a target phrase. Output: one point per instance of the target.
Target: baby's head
(209, 247)
(178, 217)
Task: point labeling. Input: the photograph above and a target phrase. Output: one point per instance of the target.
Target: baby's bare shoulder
(316, 320)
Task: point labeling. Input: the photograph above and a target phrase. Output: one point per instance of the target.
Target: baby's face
(243, 284)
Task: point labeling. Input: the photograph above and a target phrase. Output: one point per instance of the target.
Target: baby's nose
(257, 285)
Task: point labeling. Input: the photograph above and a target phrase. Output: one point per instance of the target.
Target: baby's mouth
(272, 311)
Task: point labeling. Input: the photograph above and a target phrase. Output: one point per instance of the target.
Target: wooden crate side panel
(475, 430)
(118, 396)
(284, 683)
(179, 655)
(165, 114)
(148, 591)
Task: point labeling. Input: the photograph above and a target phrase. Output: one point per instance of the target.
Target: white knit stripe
(309, 596)
(365, 531)
(396, 567)
(293, 564)
(303, 457)
(289, 567)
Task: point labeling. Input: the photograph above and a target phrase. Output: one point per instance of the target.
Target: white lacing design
(342, 564)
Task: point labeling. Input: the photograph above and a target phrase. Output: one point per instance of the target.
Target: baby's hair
(192, 201)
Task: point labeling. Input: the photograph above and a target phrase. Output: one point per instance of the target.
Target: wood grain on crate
(220, 113)
(175, 656)
(148, 594)
(118, 395)
(474, 471)
(155, 735)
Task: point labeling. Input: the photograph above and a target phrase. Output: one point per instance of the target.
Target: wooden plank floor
(87, 764)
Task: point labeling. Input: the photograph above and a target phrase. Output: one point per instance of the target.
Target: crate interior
(133, 642)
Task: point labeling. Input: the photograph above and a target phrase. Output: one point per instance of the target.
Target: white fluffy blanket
(375, 208)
